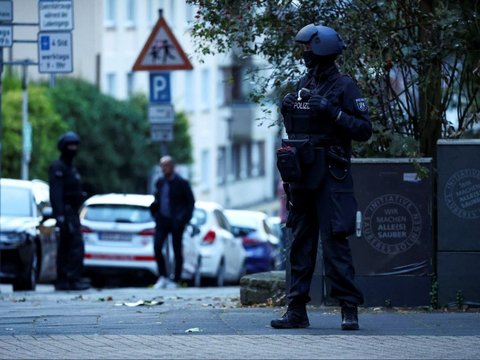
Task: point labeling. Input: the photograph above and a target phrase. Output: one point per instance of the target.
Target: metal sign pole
(25, 125)
(1, 90)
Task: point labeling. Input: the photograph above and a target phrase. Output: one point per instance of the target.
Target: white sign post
(161, 132)
(161, 114)
(161, 118)
(6, 29)
(55, 52)
(6, 35)
(55, 15)
(6, 10)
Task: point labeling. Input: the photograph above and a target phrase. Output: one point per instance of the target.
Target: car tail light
(249, 241)
(209, 237)
(86, 230)
(147, 232)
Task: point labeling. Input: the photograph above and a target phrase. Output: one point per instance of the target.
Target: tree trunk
(430, 86)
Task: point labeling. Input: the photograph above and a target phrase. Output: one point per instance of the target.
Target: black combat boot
(349, 317)
(295, 317)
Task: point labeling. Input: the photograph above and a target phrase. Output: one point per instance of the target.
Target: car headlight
(13, 238)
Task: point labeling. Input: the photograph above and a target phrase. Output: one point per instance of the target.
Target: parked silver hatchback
(118, 231)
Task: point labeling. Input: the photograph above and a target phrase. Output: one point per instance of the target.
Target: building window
(130, 13)
(110, 13)
(205, 170)
(206, 89)
(243, 173)
(130, 84)
(189, 91)
(221, 87)
(221, 165)
(189, 13)
(152, 13)
(235, 89)
(257, 159)
(235, 162)
(111, 84)
(171, 20)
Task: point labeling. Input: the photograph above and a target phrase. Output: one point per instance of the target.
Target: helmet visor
(306, 34)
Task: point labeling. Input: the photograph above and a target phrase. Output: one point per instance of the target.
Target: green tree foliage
(414, 59)
(115, 152)
(181, 146)
(46, 124)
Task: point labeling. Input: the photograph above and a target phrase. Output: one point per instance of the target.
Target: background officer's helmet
(323, 40)
(69, 137)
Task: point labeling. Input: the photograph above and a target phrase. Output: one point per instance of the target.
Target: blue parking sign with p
(160, 87)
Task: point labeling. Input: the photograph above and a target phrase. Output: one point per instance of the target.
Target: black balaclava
(69, 154)
(320, 63)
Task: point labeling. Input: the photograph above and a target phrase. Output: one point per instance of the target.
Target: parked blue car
(260, 243)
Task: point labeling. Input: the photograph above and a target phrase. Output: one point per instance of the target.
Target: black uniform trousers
(325, 213)
(164, 228)
(71, 249)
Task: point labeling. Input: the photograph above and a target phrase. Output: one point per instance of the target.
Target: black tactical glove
(322, 105)
(287, 102)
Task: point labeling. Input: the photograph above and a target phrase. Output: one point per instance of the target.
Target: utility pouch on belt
(338, 162)
(288, 164)
(304, 147)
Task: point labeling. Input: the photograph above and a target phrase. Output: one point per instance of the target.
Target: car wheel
(28, 280)
(197, 277)
(220, 278)
(243, 271)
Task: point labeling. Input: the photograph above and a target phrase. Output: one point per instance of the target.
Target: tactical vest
(303, 122)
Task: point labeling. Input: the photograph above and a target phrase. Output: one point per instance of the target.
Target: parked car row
(28, 236)
(219, 246)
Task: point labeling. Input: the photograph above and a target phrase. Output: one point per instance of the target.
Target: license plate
(112, 236)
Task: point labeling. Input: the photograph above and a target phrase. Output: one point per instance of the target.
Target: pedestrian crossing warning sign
(162, 52)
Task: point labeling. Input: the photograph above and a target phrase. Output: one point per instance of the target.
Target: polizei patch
(361, 104)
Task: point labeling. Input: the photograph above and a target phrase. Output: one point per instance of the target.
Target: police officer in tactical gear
(66, 196)
(321, 118)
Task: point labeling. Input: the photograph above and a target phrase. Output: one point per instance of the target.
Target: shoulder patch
(361, 104)
(59, 173)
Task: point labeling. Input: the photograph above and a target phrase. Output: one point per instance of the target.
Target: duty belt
(316, 140)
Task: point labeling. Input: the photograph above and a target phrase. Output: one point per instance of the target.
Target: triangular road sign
(162, 52)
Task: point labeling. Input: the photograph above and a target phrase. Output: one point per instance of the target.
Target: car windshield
(199, 217)
(242, 230)
(15, 201)
(117, 213)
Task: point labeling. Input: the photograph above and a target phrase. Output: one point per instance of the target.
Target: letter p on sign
(160, 88)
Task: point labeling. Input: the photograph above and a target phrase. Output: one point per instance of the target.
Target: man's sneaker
(290, 320)
(349, 317)
(171, 285)
(161, 283)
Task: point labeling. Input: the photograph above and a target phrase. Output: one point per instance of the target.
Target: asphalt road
(210, 323)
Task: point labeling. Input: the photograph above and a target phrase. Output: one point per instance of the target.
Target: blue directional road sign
(160, 88)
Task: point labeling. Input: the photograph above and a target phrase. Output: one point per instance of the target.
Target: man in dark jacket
(66, 196)
(172, 210)
(321, 118)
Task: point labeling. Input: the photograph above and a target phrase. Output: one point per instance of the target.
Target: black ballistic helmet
(323, 40)
(69, 137)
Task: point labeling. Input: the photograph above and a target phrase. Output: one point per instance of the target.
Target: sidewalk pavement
(209, 323)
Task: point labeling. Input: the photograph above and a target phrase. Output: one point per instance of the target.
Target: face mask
(310, 59)
(69, 153)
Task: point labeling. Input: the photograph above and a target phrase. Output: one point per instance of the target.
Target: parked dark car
(261, 245)
(28, 235)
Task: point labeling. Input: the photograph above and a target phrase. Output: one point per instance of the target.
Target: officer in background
(66, 197)
(172, 210)
(321, 119)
